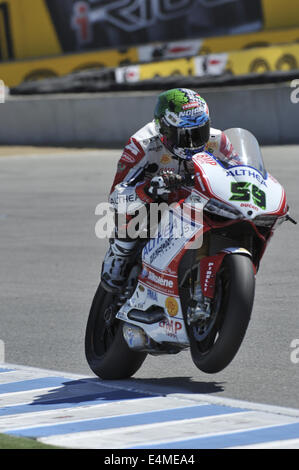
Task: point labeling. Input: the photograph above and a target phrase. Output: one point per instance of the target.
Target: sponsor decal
(121, 167)
(171, 328)
(208, 159)
(211, 145)
(155, 145)
(246, 172)
(171, 306)
(249, 206)
(213, 64)
(176, 230)
(190, 105)
(165, 159)
(243, 191)
(209, 267)
(123, 198)
(168, 168)
(193, 111)
(209, 274)
(161, 281)
(151, 294)
(128, 74)
(139, 297)
(202, 186)
(172, 118)
(167, 243)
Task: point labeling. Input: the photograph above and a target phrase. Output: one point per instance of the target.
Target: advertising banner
(91, 24)
(52, 38)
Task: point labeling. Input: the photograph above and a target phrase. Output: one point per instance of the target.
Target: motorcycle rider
(154, 161)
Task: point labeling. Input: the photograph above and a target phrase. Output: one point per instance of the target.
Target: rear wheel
(215, 341)
(106, 350)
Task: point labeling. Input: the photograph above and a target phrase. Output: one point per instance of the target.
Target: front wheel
(106, 350)
(215, 343)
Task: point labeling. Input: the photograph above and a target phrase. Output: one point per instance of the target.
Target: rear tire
(235, 287)
(106, 350)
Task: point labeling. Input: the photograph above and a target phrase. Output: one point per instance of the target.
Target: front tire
(235, 286)
(106, 350)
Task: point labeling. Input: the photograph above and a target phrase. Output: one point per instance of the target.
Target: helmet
(183, 122)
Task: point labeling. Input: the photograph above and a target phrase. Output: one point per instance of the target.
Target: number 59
(245, 191)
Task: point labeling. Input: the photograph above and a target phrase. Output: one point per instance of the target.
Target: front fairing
(246, 149)
(241, 183)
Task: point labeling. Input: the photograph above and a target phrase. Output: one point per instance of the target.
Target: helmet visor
(191, 138)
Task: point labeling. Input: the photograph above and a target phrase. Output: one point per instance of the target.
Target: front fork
(205, 284)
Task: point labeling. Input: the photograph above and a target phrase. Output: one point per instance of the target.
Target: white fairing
(242, 185)
(257, 192)
(157, 284)
(171, 329)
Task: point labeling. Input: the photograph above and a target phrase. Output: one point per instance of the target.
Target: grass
(11, 442)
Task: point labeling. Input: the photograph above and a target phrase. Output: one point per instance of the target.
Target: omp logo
(171, 327)
(133, 15)
(6, 48)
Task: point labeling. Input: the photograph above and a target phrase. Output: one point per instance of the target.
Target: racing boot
(116, 262)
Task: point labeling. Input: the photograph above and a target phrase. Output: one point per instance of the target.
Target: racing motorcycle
(232, 212)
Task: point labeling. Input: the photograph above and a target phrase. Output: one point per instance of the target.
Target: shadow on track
(95, 391)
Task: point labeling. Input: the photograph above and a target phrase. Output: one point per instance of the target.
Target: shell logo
(171, 306)
(165, 159)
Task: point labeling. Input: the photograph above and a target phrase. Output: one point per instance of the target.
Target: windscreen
(247, 148)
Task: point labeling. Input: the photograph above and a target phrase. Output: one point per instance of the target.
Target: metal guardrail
(104, 81)
(254, 66)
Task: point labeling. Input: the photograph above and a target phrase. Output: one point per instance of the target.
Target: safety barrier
(108, 119)
(236, 63)
(257, 65)
(242, 53)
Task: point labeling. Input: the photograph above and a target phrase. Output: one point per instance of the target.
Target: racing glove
(164, 183)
